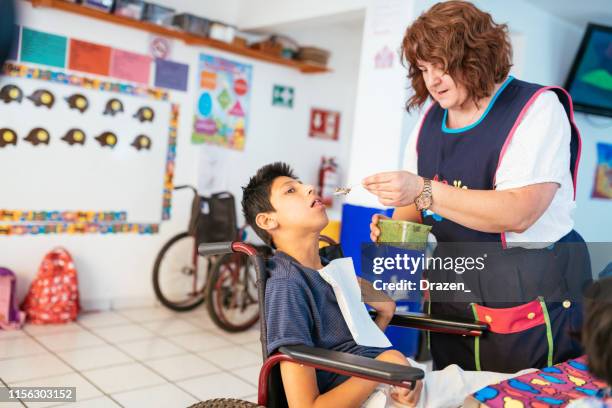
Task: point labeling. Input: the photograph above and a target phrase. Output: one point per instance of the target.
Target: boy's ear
(266, 221)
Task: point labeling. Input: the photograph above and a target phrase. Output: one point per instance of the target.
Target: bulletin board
(93, 155)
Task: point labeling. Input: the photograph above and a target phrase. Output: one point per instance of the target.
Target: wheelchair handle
(183, 186)
(220, 248)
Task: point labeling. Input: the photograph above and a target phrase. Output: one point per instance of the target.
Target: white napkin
(340, 274)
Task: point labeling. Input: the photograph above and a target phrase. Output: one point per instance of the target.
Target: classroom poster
(89, 57)
(222, 108)
(43, 48)
(602, 187)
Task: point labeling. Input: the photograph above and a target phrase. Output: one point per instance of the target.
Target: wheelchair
(270, 388)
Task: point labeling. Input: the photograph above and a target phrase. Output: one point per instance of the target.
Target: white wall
(115, 269)
(257, 14)
(225, 11)
(380, 98)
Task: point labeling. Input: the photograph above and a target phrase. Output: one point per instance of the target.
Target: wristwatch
(424, 200)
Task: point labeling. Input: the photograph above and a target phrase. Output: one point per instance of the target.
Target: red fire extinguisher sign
(324, 124)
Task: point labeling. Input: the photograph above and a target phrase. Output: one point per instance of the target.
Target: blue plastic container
(354, 232)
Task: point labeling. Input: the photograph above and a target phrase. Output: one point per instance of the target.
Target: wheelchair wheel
(225, 403)
(180, 274)
(231, 293)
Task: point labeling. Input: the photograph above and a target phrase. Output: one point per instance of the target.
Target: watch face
(423, 202)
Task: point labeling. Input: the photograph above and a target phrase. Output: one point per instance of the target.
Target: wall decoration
(160, 47)
(11, 93)
(7, 137)
(38, 136)
(602, 187)
(384, 58)
(62, 216)
(78, 101)
(171, 75)
(13, 54)
(142, 142)
(107, 139)
(75, 136)
(43, 48)
(42, 97)
(79, 228)
(222, 108)
(283, 96)
(324, 124)
(113, 106)
(130, 66)
(145, 114)
(91, 177)
(89, 57)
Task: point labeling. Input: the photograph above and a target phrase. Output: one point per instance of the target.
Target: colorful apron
(550, 387)
(529, 299)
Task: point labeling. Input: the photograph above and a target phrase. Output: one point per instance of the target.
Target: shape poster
(602, 187)
(43, 48)
(222, 108)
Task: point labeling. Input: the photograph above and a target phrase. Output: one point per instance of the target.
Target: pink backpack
(10, 316)
(54, 294)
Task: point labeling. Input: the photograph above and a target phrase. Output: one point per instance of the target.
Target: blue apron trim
(491, 103)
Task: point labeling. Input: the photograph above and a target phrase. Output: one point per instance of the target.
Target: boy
(301, 307)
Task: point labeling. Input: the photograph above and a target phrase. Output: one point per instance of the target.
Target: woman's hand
(395, 188)
(374, 230)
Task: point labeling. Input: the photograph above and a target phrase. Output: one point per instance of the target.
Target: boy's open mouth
(316, 203)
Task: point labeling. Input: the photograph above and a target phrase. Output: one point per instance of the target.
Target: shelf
(190, 39)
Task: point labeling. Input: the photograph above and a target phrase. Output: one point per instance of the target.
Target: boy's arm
(300, 383)
(379, 301)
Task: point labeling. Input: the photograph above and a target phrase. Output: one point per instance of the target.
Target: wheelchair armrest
(437, 323)
(353, 365)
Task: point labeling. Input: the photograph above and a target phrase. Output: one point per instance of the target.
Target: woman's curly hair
(465, 41)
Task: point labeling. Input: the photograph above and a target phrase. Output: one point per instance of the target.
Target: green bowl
(396, 231)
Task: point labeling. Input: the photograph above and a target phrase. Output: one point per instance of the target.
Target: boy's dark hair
(597, 328)
(256, 195)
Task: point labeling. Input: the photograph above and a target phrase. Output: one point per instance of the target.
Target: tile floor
(149, 357)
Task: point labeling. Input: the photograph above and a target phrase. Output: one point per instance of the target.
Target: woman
(493, 161)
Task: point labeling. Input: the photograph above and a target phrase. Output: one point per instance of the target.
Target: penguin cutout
(142, 142)
(11, 93)
(74, 136)
(113, 106)
(7, 137)
(107, 139)
(42, 97)
(145, 114)
(78, 102)
(38, 136)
